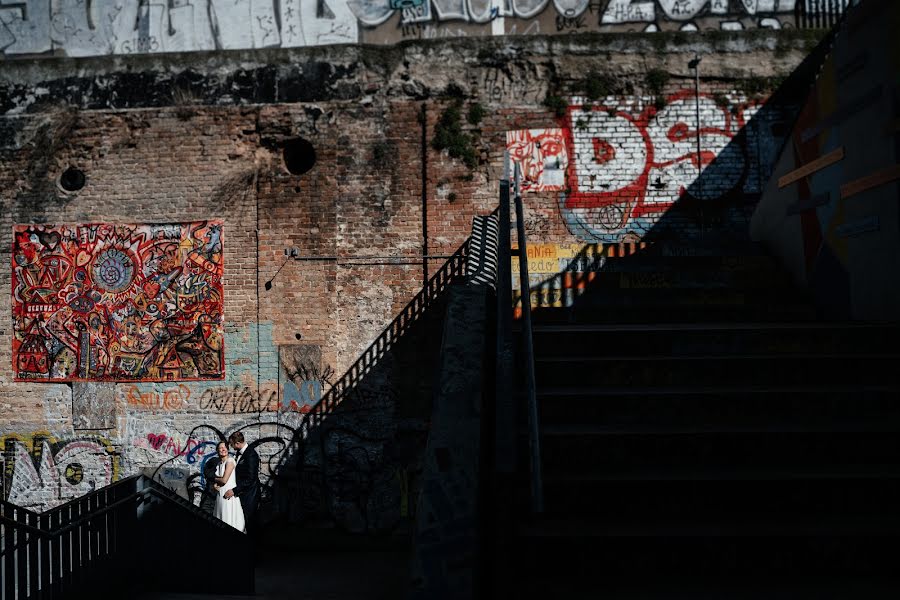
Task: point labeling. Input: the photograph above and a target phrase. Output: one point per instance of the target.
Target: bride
(227, 509)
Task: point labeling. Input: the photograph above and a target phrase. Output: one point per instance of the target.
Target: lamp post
(695, 65)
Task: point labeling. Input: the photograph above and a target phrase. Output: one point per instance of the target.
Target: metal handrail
(534, 437)
(54, 553)
(506, 421)
(153, 489)
(819, 14)
(452, 269)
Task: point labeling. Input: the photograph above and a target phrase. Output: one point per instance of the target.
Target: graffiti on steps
(40, 471)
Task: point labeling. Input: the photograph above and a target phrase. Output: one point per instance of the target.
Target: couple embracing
(237, 483)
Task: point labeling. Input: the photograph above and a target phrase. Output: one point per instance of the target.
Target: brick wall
(219, 156)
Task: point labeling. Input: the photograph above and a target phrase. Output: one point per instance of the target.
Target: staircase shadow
(710, 216)
(352, 464)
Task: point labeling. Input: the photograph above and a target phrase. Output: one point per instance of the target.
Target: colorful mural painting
(114, 302)
(627, 161)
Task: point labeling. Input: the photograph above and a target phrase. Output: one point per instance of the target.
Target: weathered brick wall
(216, 153)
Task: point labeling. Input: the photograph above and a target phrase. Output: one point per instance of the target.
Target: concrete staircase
(705, 436)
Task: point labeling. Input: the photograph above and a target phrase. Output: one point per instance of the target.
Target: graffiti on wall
(630, 162)
(79, 28)
(577, 14)
(82, 28)
(174, 398)
(306, 377)
(40, 471)
(542, 158)
(118, 302)
(239, 399)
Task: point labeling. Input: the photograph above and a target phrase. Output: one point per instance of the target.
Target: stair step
(876, 425)
(708, 586)
(629, 560)
(723, 474)
(666, 313)
(720, 339)
(764, 450)
(730, 409)
(675, 370)
(649, 276)
(852, 526)
(728, 500)
(718, 390)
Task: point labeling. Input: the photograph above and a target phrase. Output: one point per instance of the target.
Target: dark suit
(247, 484)
(209, 493)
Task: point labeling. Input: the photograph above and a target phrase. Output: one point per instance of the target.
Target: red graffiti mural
(630, 161)
(118, 302)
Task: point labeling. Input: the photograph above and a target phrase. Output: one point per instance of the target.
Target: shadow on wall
(832, 215)
(631, 181)
(354, 458)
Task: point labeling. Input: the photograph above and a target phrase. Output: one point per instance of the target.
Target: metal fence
(820, 14)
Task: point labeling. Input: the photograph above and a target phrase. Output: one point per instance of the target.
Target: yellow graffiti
(171, 399)
(32, 443)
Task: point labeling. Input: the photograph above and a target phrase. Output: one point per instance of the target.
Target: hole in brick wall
(72, 179)
(299, 156)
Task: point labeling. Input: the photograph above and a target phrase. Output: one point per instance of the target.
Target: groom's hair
(236, 438)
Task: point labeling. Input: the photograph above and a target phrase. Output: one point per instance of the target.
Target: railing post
(505, 419)
(33, 560)
(21, 558)
(534, 437)
(9, 564)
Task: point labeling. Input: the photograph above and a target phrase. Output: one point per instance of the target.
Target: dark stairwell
(708, 427)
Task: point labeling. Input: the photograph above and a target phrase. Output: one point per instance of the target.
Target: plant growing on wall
(556, 104)
(597, 86)
(476, 114)
(656, 80)
(449, 135)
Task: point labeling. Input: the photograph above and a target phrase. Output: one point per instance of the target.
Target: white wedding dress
(229, 509)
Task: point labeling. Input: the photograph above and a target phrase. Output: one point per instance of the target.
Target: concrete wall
(177, 139)
(79, 28)
(838, 227)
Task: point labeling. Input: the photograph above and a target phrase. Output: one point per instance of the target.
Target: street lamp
(695, 65)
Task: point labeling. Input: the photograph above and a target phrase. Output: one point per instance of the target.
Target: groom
(247, 479)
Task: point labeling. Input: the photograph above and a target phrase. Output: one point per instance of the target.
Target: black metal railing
(452, 270)
(97, 537)
(506, 410)
(819, 14)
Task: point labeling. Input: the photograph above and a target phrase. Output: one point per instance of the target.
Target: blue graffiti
(192, 454)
